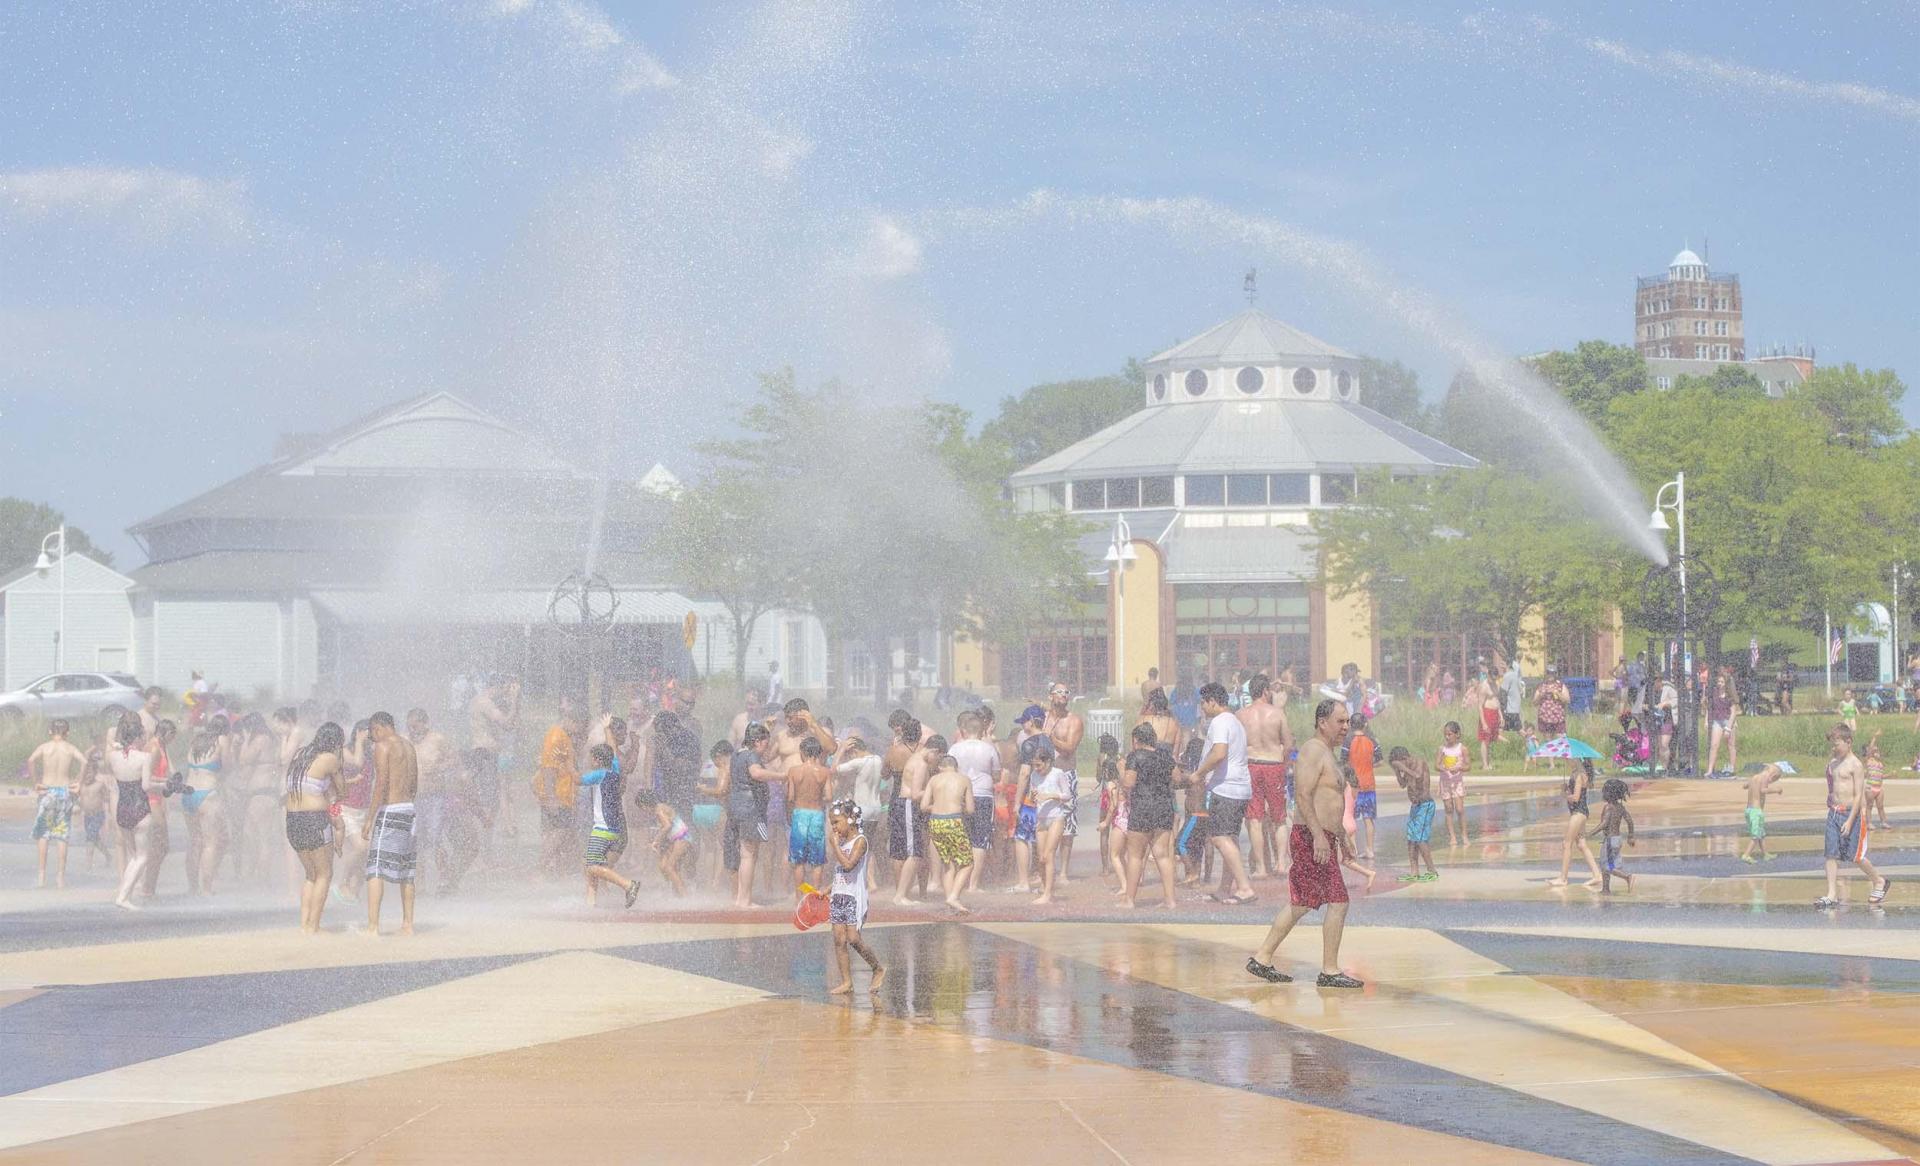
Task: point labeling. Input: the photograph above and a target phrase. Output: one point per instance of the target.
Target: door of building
(1252, 653)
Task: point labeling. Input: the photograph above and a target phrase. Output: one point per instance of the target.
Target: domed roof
(1252, 337)
(1686, 258)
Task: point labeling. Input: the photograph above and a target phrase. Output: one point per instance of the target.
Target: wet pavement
(1711, 1015)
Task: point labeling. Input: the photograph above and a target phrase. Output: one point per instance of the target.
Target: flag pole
(1829, 648)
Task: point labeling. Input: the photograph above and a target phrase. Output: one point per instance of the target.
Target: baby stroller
(1632, 750)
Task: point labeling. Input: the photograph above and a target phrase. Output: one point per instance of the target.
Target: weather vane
(1253, 292)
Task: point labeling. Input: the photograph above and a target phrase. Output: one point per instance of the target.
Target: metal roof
(1252, 337)
(298, 572)
(1232, 554)
(1247, 436)
(522, 607)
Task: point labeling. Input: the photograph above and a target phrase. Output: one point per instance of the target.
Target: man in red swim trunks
(1268, 743)
(1315, 845)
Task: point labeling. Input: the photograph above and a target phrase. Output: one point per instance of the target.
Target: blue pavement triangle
(1625, 959)
(79, 1030)
(979, 984)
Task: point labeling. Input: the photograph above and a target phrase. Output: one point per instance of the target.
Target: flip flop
(1267, 972)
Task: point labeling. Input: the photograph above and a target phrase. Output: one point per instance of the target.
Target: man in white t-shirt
(1229, 787)
(980, 762)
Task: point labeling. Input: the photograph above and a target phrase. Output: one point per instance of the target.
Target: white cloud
(1691, 66)
(149, 203)
(585, 34)
(889, 250)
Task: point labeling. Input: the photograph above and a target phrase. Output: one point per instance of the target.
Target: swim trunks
(602, 845)
(950, 842)
(1756, 822)
(54, 817)
(1269, 802)
(1613, 852)
(1226, 816)
(1845, 845)
(707, 815)
(980, 824)
(903, 839)
(1420, 822)
(390, 849)
(1366, 805)
(1072, 806)
(1311, 882)
(1453, 784)
(807, 838)
(94, 823)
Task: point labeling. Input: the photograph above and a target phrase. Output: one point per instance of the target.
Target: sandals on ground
(1267, 972)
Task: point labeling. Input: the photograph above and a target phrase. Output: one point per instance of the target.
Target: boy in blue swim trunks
(1413, 776)
(807, 821)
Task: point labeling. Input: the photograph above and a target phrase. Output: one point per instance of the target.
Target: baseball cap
(1032, 712)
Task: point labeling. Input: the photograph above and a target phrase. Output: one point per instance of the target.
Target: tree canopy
(1861, 407)
(1594, 375)
(1393, 389)
(24, 524)
(1048, 418)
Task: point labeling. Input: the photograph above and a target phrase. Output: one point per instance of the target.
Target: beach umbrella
(1568, 747)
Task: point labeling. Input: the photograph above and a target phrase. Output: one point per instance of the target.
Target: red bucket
(811, 910)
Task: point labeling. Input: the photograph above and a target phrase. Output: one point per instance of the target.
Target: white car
(73, 694)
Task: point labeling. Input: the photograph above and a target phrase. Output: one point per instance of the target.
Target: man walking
(1847, 820)
(1229, 786)
(1315, 878)
(389, 832)
(1513, 696)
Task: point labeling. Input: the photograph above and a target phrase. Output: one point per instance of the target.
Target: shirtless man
(797, 724)
(948, 801)
(915, 866)
(389, 831)
(806, 781)
(1847, 820)
(1269, 740)
(55, 766)
(756, 710)
(439, 774)
(1314, 880)
(903, 845)
(1066, 729)
(488, 720)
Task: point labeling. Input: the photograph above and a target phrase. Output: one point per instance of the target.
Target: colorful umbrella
(1568, 747)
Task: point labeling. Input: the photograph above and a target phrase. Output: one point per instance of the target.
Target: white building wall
(142, 605)
(797, 640)
(303, 651)
(234, 642)
(95, 621)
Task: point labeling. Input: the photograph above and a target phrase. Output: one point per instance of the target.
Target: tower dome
(1687, 265)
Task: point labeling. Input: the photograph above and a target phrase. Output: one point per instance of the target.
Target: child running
(672, 841)
(607, 839)
(1613, 812)
(1453, 782)
(1411, 774)
(847, 905)
(1757, 787)
(1362, 751)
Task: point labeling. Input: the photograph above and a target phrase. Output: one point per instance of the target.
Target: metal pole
(60, 641)
(1826, 649)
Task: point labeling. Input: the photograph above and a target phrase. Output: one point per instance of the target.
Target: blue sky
(220, 223)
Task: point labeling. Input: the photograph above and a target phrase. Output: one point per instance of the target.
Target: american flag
(1753, 652)
(1836, 648)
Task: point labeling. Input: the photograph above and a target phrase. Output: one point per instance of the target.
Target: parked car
(73, 694)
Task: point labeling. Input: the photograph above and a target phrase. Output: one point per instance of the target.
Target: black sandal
(1267, 972)
(1338, 980)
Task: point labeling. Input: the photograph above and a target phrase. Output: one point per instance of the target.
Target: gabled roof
(1247, 436)
(436, 435)
(84, 573)
(1252, 337)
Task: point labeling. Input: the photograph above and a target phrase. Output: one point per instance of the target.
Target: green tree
(1861, 406)
(1728, 379)
(1788, 525)
(715, 542)
(1594, 375)
(1471, 551)
(1392, 388)
(1470, 420)
(24, 524)
(1048, 418)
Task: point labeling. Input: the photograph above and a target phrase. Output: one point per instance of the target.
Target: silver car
(73, 694)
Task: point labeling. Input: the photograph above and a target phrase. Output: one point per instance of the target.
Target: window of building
(1206, 490)
(1056, 495)
(1700, 303)
(1123, 493)
(1290, 489)
(1719, 327)
(1336, 489)
(1250, 380)
(1666, 350)
(1700, 352)
(1246, 489)
(1159, 386)
(1723, 303)
(1090, 495)
(1156, 491)
(1699, 327)
(1196, 382)
(1725, 352)
(1664, 382)
(1304, 380)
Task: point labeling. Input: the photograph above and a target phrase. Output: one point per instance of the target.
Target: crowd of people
(786, 802)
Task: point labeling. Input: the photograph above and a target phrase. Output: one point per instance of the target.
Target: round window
(1196, 382)
(1304, 380)
(1250, 379)
(1160, 386)
(1344, 380)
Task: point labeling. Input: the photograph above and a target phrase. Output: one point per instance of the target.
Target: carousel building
(1202, 559)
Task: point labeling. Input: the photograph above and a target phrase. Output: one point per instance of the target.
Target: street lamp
(1120, 552)
(1658, 521)
(58, 541)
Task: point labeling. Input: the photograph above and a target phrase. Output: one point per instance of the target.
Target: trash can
(1580, 691)
(1105, 721)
